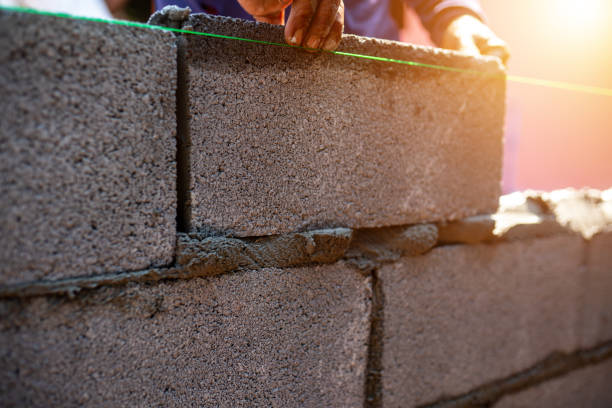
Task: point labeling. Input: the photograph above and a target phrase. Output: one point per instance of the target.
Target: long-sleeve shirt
(371, 18)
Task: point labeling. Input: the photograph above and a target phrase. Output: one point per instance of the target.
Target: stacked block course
(339, 238)
(88, 148)
(321, 140)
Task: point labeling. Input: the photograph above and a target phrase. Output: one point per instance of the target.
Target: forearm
(436, 15)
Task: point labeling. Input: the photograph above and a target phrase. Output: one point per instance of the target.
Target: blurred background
(137, 10)
(554, 138)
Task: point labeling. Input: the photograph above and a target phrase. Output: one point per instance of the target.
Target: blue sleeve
(436, 15)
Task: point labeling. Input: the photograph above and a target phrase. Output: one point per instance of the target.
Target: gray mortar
(587, 387)
(470, 230)
(522, 217)
(217, 254)
(200, 255)
(290, 337)
(285, 140)
(170, 16)
(207, 256)
(87, 148)
(72, 286)
(373, 246)
(597, 304)
(373, 397)
(532, 214)
(583, 211)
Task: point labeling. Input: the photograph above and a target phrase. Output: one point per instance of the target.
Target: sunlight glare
(581, 15)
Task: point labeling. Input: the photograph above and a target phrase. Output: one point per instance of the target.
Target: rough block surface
(283, 140)
(588, 387)
(273, 338)
(87, 147)
(597, 309)
(462, 316)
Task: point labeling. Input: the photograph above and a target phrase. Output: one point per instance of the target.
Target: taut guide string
(513, 78)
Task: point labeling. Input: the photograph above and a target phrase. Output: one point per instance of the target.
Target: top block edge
(350, 43)
(18, 15)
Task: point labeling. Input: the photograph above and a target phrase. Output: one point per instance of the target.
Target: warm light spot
(580, 14)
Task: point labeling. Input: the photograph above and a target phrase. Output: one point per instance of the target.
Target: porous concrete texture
(292, 337)
(588, 387)
(87, 147)
(215, 255)
(285, 140)
(462, 316)
(597, 309)
(198, 255)
(372, 246)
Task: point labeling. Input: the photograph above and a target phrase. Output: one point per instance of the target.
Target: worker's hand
(266, 11)
(315, 23)
(470, 35)
(311, 23)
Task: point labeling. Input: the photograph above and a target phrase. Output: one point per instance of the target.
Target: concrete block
(597, 310)
(283, 140)
(274, 338)
(588, 387)
(462, 316)
(87, 147)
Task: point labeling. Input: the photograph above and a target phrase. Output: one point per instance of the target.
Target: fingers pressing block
(335, 34)
(315, 23)
(471, 36)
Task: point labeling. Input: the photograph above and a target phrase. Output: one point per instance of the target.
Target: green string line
(567, 86)
(513, 78)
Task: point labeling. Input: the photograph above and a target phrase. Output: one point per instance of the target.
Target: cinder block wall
(196, 221)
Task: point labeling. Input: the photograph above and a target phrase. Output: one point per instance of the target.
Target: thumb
(467, 45)
(496, 47)
(302, 12)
